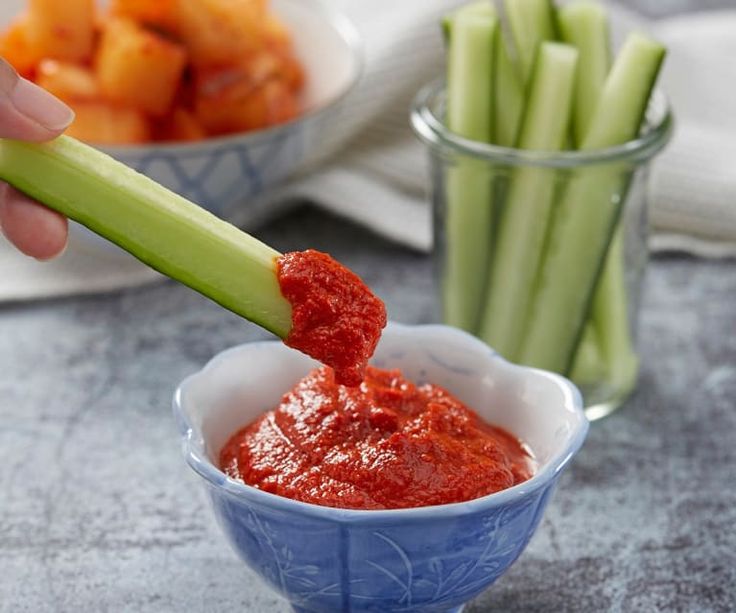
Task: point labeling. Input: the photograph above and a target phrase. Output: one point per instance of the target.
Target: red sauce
(335, 318)
(386, 444)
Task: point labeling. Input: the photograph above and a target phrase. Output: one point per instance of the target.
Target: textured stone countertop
(98, 511)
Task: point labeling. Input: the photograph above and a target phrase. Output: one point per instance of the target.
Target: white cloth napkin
(379, 177)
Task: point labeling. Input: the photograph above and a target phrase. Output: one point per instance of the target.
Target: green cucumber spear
(585, 24)
(157, 226)
(529, 202)
(588, 212)
(471, 32)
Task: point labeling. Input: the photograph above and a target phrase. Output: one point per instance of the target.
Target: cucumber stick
(468, 188)
(482, 8)
(528, 207)
(160, 228)
(509, 91)
(588, 211)
(610, 319)
(589, 368)
(607, 335)
(531, 23)
(584, 24)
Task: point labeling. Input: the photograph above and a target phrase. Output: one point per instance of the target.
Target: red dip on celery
(335, 318)
(386, 444)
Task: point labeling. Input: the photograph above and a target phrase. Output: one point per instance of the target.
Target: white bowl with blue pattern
(226, 174)
(428, 559)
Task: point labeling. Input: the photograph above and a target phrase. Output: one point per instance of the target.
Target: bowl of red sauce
(412, 492)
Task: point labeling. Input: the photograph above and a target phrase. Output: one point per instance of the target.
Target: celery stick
(157, 226)
(531, 23)
(469, 203)
(584, 25)
(527, 210)
(588, 212)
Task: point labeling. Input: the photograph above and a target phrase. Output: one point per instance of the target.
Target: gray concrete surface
(98, 511)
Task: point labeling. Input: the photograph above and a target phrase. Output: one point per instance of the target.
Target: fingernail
(34, 102)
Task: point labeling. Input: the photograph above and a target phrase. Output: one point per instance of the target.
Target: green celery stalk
(157, 226)
(528, 206)
(531, 23)
(588, 212)
(469, 211)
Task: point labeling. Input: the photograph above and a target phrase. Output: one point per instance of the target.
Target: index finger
(28, 112)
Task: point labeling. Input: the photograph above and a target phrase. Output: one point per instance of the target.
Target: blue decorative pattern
(222, 177)
(429, 565)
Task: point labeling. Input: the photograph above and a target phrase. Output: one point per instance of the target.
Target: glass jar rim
(431, 129)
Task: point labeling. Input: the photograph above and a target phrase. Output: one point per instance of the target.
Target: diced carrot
(216, 32)
(62, 30)
(180, 125)
(139, 68)
(16, 48)
(67, 81)
(103, 124)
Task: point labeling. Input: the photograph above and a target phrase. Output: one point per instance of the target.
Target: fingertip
(34, 229)
(28, 112)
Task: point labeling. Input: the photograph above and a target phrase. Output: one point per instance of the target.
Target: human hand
(30, 113)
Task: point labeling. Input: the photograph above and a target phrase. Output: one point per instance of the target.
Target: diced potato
(102, 124)
(69, 82)
(180, 125)
(239, 109)
(138, 68)
(62, 29)
(217, 32)
(16, 49)
(159, 14)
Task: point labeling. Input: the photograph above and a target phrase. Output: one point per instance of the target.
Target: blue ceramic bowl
(429, 559)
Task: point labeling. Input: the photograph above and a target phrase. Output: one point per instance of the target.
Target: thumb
(28, 112)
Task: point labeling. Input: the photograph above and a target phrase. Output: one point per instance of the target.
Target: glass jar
(542, 254)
